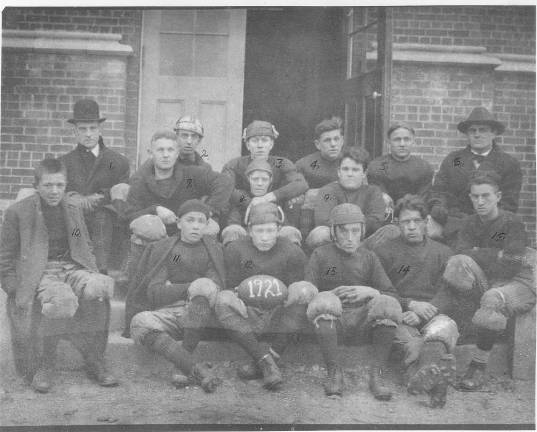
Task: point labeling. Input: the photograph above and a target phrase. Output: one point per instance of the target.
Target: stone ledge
(65, 41)
(459, 55)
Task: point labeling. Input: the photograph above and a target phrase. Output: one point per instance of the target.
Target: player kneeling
(264, 269)
(179, 280)
(352, 298)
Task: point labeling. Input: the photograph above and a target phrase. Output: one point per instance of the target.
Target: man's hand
(94, 199)
(295, 201)
(424, 310)
(166, 215)
(355, 293)
(410, 318)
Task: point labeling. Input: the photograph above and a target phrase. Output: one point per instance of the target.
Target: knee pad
(119, 191)
(232, 233)
(490, 315)
(318, 236)
(325, 305)
(291, 233)
(98, 286)
(24, 193)
(300, 293)
(384, 310)
(58, 301)
(212, 228)
(148, 228)
(204, 287)
(226, 300)
(442, 329)
(139, 327)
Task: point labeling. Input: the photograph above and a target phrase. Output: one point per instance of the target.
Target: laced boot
(204, 377)
(333, 384)
(42, 382)
(252, 371)
(474, 377)
(97, 371)
(377, 385)
(272, 377)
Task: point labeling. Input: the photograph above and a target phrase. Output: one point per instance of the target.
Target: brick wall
(39, 89)
(434, 98)
(501, 29)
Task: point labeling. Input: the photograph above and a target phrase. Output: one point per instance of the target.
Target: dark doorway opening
(294, 71)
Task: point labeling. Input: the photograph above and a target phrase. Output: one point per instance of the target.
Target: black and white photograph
(256, 216)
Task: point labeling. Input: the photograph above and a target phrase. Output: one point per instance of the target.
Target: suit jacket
(450, 188)
(109, 169)
(152, 260)
(24, 246)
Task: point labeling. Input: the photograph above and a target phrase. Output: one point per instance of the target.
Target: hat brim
(77, 120)
(494, 124)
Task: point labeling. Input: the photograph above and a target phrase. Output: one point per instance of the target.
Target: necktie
(477, 159)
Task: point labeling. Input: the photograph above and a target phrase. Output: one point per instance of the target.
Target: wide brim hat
(86, 110)
(481, 116)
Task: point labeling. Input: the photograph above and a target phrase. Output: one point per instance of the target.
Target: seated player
(399, 172)
(355, 297)
(287, 183)
(174, 293)
(415, 264)
(259, 173)
(276, 265)
(164, 184)
(350, 188)
(54, 289)
(492, 267)
(320, 168)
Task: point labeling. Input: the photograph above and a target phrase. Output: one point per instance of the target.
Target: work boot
(475, 377)
(202, 376)
(434, 379)
(272, 377)
(377, 384)
(333, 384)
(252, 371)
(179, 380)
(97, 371)
(41, 381)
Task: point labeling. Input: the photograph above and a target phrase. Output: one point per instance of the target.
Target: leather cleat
(98, 372)
(434, 380)
(474, 378)
(41, 381)
(272, 377)
(377, 385)
(252, 371)
(333, 384)
(202, 376)
(179, 380)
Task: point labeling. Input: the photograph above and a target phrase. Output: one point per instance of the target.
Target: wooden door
(368, 76)
(193, 63)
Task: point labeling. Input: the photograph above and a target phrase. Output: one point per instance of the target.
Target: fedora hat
(481, 115)
(86, 110)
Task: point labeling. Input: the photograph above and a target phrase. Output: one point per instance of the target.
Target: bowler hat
(481, 115)
(86, 110)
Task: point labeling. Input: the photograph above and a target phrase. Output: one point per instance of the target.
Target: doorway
(294, 65)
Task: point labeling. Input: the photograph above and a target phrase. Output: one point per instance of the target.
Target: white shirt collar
(481, 154)
(95, 150)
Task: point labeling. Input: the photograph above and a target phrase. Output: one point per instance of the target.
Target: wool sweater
(330, 267)
(191, 182)
(414, 269)
(484, 240)
(183, 265)
(450, 189)
(317, 170)
(367, 197)
(287, 182)
(285, 261)
(397, 178)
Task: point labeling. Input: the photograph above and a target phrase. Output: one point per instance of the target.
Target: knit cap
(194, 205)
